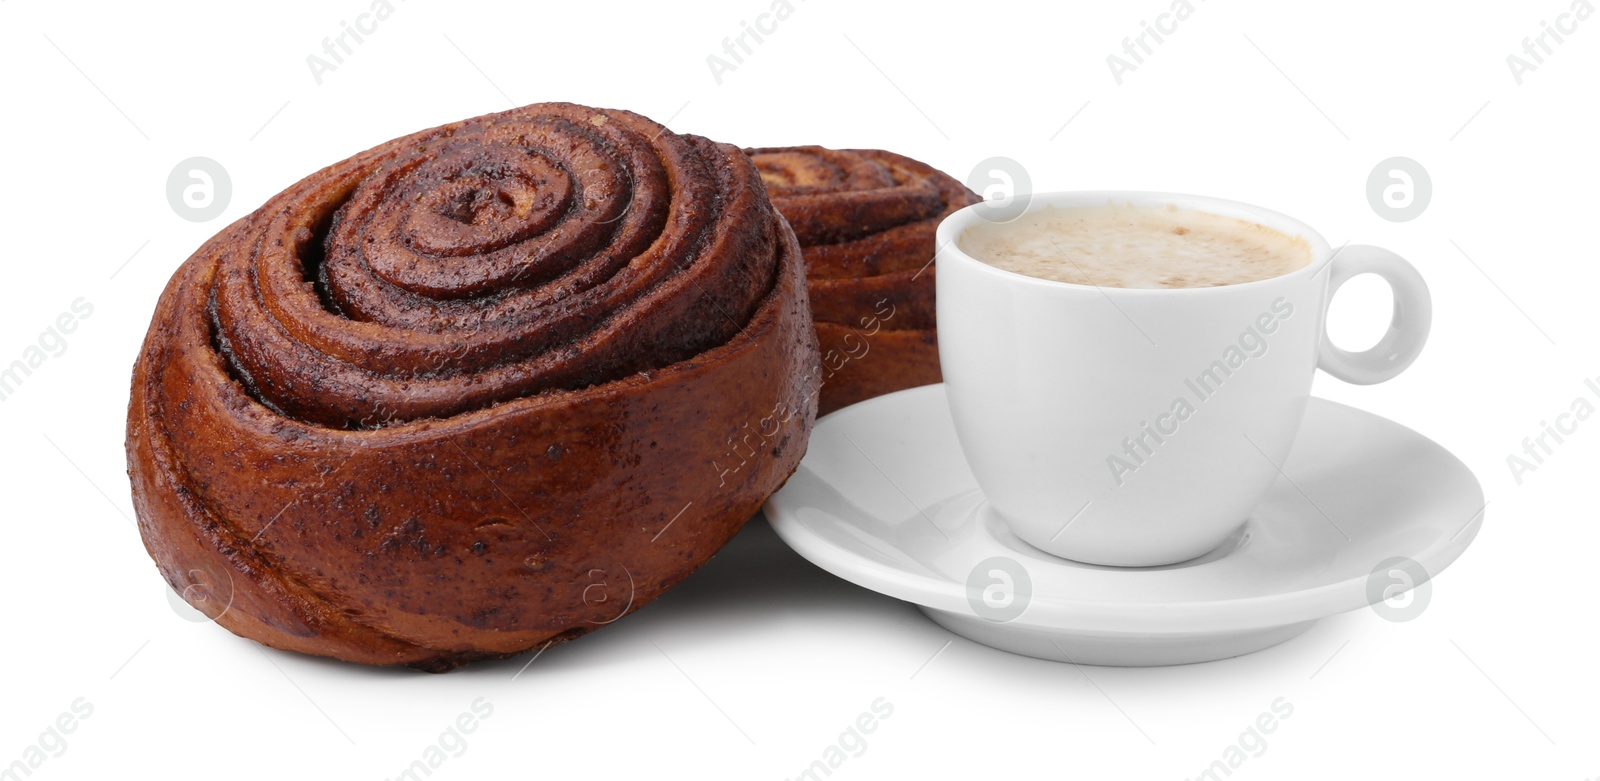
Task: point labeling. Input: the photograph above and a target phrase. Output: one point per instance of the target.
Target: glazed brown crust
(866, 219)
(438, 403)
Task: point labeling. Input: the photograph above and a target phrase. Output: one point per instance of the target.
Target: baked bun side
(865, 219)
(478, 389)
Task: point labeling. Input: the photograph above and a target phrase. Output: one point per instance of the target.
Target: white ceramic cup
(1139, 427)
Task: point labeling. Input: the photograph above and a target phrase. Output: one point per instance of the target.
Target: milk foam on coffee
(1136, 247)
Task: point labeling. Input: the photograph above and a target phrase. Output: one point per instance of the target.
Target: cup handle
(1408, 328)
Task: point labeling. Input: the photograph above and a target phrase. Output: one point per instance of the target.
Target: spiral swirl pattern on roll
(409, 405)
(491, 260)
(865, 219)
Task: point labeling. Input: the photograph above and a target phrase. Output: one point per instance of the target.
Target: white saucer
(884, 499)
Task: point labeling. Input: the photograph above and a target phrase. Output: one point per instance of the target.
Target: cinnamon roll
(476, 390)
(865, 219)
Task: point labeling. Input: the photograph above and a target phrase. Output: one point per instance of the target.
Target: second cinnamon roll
(865, 219)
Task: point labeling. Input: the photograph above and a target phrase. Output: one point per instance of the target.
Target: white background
(757, 664)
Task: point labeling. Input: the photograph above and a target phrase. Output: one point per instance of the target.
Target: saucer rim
(1243, 613)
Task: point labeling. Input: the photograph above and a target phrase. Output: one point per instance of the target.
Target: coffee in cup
(1119, 245)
